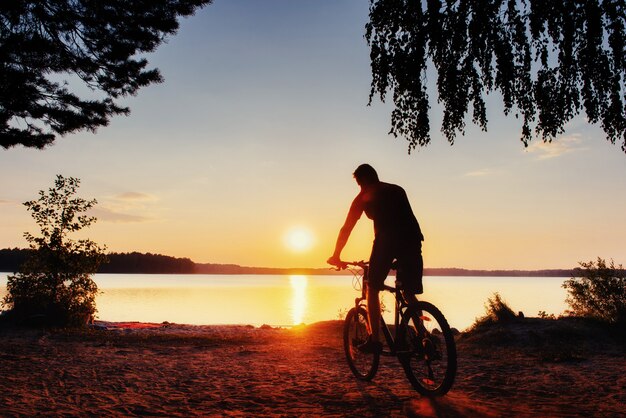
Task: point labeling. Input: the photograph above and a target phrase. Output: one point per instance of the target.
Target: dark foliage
(496, 311)
(12, 258)
(54, 285)
(598, 291)
(549, 60)
(48, 46)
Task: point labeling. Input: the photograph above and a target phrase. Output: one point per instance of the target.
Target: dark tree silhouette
(598, 290)
(54, 282)
(48, 46)
(549, 60)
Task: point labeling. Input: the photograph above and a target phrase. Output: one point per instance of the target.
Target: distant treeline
(146, 263)
(235, 269)
(497, 273)
(207, 268)
(11, 259)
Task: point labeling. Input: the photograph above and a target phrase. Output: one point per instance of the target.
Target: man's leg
(411, 267)
(373, 312)
(380, 263)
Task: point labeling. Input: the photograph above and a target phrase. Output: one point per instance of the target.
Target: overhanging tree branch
(97, 41)
(550, 61)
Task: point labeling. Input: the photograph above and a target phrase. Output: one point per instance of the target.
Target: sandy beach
(170, 370)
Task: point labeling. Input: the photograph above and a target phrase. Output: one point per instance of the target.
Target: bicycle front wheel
(355, 332)
(428, 353)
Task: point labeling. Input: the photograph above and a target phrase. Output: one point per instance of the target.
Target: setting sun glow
(299, 239)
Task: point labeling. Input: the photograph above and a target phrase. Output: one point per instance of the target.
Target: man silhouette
(397, 236)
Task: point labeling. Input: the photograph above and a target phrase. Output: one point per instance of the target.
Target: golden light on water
(298, 300)
(292, 300)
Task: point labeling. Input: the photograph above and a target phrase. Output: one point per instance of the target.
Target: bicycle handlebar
(342, 265)
(362, 264)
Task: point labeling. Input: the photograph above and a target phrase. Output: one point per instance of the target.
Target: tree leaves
(550, 61)
(598, 291)
(92, 42)
(55, 280)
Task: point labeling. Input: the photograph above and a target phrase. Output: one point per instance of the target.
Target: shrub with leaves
(496, 311)
(598, 291)
(54, 285)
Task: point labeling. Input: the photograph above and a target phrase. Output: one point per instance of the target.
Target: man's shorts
(410, 266)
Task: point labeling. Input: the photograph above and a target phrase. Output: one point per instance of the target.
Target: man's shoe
(371, 347)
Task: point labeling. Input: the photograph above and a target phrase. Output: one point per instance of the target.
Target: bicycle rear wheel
(428, 353)
(363, 365)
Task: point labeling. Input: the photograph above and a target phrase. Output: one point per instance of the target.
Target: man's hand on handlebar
(336, 261)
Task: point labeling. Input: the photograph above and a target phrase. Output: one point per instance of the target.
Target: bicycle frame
(401, 304)
(420, 337)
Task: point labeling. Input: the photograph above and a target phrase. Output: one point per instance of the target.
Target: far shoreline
(148, 263)
(435, 272)
(269, 271)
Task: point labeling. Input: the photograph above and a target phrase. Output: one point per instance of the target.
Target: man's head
(365, 174)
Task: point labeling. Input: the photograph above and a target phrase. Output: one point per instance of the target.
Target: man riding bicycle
(397, 236)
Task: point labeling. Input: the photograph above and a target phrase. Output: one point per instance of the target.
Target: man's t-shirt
(388, 207)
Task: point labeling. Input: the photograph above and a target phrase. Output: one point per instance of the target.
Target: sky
(257, 129)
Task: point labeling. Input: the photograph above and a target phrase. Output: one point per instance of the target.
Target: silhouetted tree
(548, 60)
(598, 290)
(55, 280)
(46, 47)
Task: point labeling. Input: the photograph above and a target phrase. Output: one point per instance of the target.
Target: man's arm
(355, 212)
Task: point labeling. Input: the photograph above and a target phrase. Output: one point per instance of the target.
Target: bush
(54, 285)
(598, 291)
(496, 311)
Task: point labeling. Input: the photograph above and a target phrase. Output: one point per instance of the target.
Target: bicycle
(423, 341)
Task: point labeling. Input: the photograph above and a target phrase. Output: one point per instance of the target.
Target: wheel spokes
(429, 361)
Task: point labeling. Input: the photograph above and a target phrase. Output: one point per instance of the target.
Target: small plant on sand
(545, 315)
(598, 291)
(341, 313)
(496, 311)
(54, 285)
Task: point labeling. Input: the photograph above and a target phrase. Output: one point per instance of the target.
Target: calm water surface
(290, 300)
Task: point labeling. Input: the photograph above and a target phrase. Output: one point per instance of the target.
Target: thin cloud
(127, 207)
(135, 196)
(4, 202)
(110, 215)
(479, 173)
(556, 148)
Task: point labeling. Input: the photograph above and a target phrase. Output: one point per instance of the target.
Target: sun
(299, 239)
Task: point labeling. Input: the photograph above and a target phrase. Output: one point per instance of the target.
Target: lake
(290, 300)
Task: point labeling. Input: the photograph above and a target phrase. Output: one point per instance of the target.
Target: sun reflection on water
(298, 300)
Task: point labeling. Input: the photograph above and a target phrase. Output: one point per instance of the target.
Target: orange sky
(261, 121)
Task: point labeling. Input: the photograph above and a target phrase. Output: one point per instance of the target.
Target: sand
(174, 370)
